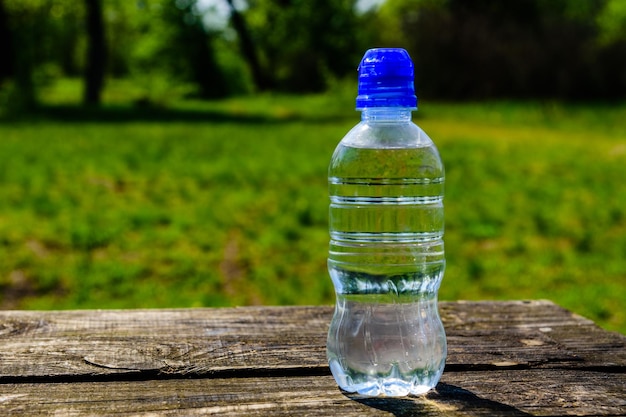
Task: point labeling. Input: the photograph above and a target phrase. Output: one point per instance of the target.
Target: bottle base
(375, 386)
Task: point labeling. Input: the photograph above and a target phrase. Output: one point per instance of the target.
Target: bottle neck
(386, 114)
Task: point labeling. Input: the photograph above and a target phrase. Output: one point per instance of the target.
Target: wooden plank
(545, 392)
(528, 334)
(193, 341)
(282, 340)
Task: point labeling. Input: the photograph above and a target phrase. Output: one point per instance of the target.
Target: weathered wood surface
(505, 358)
(483, 393)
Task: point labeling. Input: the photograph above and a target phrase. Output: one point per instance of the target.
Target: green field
(225, 203)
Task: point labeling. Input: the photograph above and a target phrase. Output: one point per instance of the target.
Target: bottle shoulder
(386, 162)
(386, 135)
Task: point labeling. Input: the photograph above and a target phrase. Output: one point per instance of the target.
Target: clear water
(377, 347)
(386, 261)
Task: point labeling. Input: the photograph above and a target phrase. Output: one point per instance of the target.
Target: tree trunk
(247, 49)
(199, 57)
(6, 45)
(96, 53)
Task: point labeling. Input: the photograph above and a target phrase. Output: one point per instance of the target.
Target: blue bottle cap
(386, 79)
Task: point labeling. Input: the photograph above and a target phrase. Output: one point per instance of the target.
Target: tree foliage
(462, 49)
(612, 22)
(303, 43)
(518, 48)
(39, 45)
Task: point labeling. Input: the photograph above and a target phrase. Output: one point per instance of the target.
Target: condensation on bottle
(386, 255)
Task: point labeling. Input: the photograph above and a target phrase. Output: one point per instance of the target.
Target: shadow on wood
(446, 399)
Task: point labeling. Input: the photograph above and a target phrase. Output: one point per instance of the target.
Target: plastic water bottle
(386, 256)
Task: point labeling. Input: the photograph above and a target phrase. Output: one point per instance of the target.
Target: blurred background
(173, 153)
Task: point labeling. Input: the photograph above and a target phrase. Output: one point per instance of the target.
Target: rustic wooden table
(505, 358)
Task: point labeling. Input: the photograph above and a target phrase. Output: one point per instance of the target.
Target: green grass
(225, 203)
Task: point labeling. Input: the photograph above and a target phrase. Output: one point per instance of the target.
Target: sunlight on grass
(225, 203)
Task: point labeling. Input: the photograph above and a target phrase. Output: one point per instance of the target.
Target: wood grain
(505, 358)
(260, 339)
(483, 393)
